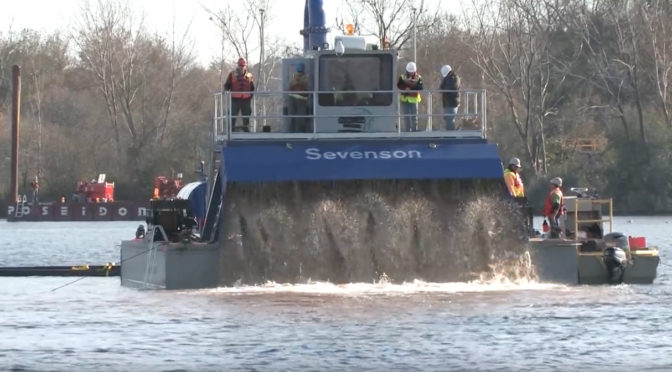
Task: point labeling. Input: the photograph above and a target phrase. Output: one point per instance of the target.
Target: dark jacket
(451, 82)
(412, 82)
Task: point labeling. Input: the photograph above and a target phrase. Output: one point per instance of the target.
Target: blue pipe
(306, 23)
(317, 34)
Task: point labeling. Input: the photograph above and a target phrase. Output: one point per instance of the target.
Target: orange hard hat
(242, 62)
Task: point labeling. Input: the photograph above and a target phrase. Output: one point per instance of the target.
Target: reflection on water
(95, 324)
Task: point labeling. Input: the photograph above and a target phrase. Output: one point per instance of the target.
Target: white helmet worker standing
(410, 85)
(512, 178)
(557, 181)
(445, 70)
(450, 96)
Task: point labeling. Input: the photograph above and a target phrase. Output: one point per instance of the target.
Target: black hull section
(87, 270)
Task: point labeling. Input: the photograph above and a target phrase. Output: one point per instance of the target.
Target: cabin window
(362, 74)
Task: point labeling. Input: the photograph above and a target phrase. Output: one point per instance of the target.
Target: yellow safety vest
(514, 183)
(413, 97)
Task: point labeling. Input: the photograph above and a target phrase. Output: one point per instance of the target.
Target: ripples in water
(95, 324)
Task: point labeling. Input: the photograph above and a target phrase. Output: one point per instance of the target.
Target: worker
(514, 183)
(450, 85)
(516, 189)
(34, 184)
(298, 102)
(241, 85)
(410, 83)
(554, 207)
(386, 43)
(140, 232)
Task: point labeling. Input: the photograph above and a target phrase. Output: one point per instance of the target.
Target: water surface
(95, 324)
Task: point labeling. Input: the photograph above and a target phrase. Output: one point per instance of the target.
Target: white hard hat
(445, 70)
(556, 181)
(410, 67)
(515, 161)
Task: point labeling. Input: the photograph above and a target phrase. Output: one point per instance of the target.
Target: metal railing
(595, 205)
(270, 115)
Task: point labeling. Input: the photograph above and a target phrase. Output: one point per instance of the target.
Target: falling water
(360, 231)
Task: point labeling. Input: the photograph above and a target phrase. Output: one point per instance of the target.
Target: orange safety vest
(514, 183)
(241, 86)
(548, 205)
(412, 97)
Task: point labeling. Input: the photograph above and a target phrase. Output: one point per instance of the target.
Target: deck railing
(269, 117)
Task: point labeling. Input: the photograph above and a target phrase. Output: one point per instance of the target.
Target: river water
(66, 324)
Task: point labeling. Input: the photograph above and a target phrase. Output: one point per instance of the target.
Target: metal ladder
(600, 203)
(20, 203)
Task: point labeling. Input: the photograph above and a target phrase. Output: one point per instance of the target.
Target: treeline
(109, 98)
(113, 98)
(576, 89)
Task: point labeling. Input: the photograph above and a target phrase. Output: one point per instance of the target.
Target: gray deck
(559, 261)
(169, 265)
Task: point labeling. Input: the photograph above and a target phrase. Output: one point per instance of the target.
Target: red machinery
(95, 191)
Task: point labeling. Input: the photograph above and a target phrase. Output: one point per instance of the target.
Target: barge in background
(92, 201)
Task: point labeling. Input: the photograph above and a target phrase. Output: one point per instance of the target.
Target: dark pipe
(318, 31)
(85, 270)
(16, 106)
(306, 22)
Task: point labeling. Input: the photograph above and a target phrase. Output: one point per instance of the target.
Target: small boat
(588, 255)
(172, 253)
(168, 255)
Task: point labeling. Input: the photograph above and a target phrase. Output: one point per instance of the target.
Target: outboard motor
(615, 256)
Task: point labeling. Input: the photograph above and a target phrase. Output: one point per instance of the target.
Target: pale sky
(286, 19)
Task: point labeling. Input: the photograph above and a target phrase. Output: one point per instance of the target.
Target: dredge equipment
(330, 188)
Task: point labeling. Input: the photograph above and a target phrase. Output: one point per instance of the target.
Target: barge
(339, 191)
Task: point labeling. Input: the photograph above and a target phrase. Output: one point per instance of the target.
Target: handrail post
(312, 118)
(215, 120)
(430, 113)
(576, 218)
(611, 215)
(254, 115)
(395, 97)
(484, 113)
(228, 116)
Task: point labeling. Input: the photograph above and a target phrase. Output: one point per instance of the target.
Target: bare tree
(657, 15)
(237, 25)
(514, 49)
(391, 20)
(630, 54)
(612, 39)
(135, 73)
